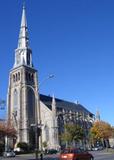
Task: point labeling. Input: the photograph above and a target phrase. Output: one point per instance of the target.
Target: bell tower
(21, 98)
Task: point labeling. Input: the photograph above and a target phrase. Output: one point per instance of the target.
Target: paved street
(98, 155)
(31, 157)
(103, 155)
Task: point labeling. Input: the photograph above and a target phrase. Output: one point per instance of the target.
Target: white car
(9, 154)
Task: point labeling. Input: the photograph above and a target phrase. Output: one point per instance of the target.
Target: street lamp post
(39, 112)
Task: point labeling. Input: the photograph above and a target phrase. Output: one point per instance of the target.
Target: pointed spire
(23, 53)
(53, 105)
(23, 20)
(53, 100)
(23, 36)
(97, 116)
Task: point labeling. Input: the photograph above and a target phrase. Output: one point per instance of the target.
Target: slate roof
(2, 120)
(62, 104)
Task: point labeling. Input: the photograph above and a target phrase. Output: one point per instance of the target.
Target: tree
(2, 130)
(101, 131)
(7, 130)
(72, 133)
(10, 131)
(112, 135)
(44, 144)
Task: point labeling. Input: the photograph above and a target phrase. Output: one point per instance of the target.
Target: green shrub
(24, 146)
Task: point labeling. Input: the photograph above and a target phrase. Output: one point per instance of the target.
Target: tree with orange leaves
(6, 129)
(101, 131)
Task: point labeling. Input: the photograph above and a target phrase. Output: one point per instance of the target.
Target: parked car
(52, 151)
(18, 150)
(97, 148)
(75, 154)
(9, 154)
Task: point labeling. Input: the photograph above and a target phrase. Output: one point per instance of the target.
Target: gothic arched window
(47, 132)
(26, 76)
(31, 105)
(29, 76)
(15, 103)
(28, 59)
(13, 78)
(32, 77)
(18, 75)
(15, 98)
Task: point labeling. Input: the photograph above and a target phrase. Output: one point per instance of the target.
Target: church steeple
(23, 36)
(23, 82)
(23, 53)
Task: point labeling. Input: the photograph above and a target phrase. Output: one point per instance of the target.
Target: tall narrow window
(28, 59)
(31, 105)
(15, 104)
(18, 75)
(13, 78)
(47, 133)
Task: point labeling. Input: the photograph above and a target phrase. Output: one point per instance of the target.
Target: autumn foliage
(101, 130)
(7, 129)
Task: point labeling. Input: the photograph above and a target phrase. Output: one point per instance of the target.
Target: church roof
(2, 120)
(63, 104)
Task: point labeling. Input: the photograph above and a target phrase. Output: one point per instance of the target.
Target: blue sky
(74, 40)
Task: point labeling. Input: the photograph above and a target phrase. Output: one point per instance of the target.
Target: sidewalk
(45, 157)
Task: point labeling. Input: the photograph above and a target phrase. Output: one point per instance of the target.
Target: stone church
(22, 97)
(26, 108)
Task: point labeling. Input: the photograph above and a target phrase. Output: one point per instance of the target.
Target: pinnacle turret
(53, 105)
